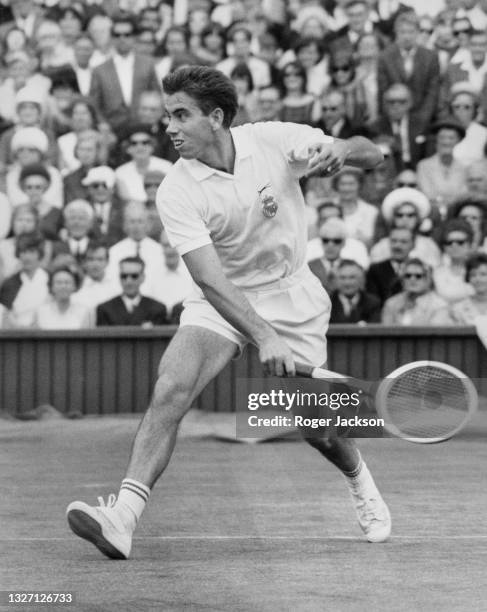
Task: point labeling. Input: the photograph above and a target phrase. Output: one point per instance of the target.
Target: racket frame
(380, 393)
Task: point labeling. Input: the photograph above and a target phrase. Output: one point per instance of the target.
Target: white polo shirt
(199, 205)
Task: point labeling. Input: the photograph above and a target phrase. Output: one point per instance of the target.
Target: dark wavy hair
(209, 87)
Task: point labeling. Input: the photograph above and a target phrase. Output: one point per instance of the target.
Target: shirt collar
(200, 171)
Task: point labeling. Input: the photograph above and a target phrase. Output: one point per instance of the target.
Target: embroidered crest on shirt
(268, 201)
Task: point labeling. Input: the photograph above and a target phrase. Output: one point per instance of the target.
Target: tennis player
(233, 208)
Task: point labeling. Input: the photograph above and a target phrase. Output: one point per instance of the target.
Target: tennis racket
(423, 401)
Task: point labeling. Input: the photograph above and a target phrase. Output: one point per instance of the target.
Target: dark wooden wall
(109, 370)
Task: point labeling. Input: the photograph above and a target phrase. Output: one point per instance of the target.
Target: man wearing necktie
(350, 303)
(417, 67)
(408, 142)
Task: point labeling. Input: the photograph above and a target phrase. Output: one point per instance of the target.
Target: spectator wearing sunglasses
(140, 147)
(472, 69)
(131, 307)
(116, 85)
(336, 246)
(462, 30)
(400, 128)
(405, 61)
(417, 303)
(334, 120)
(456, 240)
(464, 106)
(344, 79)
(407, 207)
(467, 311)
(298, 106)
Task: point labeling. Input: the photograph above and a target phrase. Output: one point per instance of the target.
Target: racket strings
(427, 402)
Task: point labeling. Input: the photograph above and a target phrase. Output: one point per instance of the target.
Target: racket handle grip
(302, 369)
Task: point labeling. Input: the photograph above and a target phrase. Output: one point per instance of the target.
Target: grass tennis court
(262, 527)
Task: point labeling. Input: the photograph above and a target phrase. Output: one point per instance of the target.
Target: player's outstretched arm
(327, 159)
(207, 272)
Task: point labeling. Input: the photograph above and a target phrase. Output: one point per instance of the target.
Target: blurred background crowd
(83, 149)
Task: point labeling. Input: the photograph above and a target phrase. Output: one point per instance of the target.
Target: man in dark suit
(334, 120)
(384, 278)
(400, 128)
(350, 303)
(359, 23)
(131, 308)
(116, 84)
(108, 208)
(415, 66)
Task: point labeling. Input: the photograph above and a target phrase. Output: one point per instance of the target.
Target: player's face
(189, 129)
(478, 279)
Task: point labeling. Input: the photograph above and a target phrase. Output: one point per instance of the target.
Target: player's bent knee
(172, 394)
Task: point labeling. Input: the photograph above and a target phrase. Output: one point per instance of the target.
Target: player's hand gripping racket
(422, 401)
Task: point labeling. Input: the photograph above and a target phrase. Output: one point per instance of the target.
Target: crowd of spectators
(83, 149)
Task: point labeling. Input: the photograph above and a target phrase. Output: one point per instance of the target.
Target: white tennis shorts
(297, 307)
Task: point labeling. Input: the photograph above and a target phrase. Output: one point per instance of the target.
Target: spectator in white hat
(109, 222)
(90, 151)
(21, 72)
(407, 207)
(29, 107)
(30, 146)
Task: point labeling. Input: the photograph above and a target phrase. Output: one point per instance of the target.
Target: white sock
(360, 477)
(132, 499)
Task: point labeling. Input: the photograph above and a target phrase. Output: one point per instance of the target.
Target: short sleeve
(182, 217)
(295, 141)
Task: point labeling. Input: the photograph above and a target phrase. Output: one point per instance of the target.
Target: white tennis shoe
(102, 526)
(373, 514)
